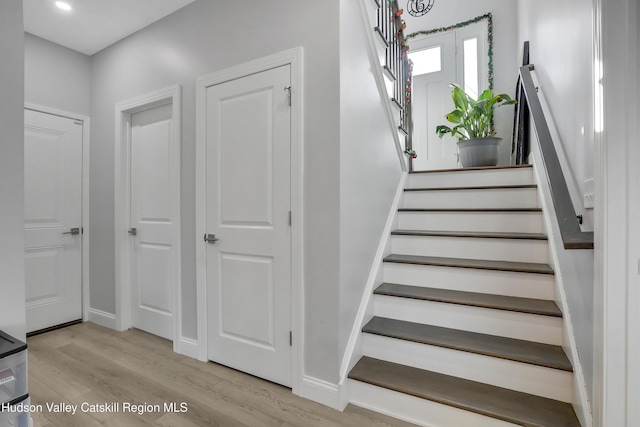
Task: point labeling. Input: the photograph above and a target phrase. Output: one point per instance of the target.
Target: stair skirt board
(517, 250)
(466, 198)
(538, 380)
(539, 286)
(522, 222)
(523, 326)
(416, 410)
(471, 178)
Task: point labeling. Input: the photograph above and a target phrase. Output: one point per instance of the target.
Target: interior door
(53, 219)
(432, 101)
(153, 268)
(247, 220)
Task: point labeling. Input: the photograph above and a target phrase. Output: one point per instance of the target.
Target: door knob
(74, 231)
(210, 238)
(133, 231)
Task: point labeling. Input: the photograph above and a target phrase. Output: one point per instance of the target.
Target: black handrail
(572, 236)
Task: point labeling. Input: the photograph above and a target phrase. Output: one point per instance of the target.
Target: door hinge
(288, 89)
(290, 338)
(289, 218)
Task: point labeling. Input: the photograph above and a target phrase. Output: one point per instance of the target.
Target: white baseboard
(187, 347)
(319, 391)
(102, 318)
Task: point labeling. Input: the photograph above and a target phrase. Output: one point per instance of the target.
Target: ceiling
(92, 25)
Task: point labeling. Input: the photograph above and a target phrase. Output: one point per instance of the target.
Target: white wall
(560, 36)
(562, 51)
(12, 282)
(201, 38)
(56, 77)
(369, 165)
(506, 50)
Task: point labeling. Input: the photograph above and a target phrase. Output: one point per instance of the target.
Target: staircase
(465, 330)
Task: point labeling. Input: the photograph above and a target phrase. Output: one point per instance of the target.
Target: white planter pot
(478, 152)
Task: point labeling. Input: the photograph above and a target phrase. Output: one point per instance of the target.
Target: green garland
(489, 19)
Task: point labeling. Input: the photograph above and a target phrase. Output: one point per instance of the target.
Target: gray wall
(56, 77)
(561, 50)
(369, 166)
(12, 282)
(201, 38)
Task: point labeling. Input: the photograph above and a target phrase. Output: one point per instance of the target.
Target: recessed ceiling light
(64, 6)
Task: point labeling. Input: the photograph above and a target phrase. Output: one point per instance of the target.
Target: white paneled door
(152, 265)
(432, 101)
(248, 202)
(53, 219)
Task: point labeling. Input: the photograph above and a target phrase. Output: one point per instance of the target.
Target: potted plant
(473, 120)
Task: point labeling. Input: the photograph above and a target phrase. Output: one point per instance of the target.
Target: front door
(248, 202)
(432, 101)
(153, 269)
(53, 219)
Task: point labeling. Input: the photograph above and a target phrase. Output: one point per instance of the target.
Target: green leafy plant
(473, 118)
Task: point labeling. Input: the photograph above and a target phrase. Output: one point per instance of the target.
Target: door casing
(293, 58)
(86, 132)
(122, 186)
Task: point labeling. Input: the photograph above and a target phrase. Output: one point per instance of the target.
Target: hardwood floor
(91, 365)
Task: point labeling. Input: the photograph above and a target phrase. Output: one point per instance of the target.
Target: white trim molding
(617, 208)
(564, 262)
(188, 347)
(122, 189)
(86, 133)
(101, 318)
(320, 391)
(294, 58)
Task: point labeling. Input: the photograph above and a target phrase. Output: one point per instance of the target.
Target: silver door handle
(74, 231)
(133, 231)
(210, 238)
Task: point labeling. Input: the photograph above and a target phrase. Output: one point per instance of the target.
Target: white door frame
(617, 207)
(124, 111)
(294, 58)
(85, 194)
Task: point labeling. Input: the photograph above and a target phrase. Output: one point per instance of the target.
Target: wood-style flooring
(90, 364)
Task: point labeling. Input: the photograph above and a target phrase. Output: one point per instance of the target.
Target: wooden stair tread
(533, 353)
(521, 267)
(473, 169)
(478, 234)
(496, 402)
(483, 187)
(495, 210)
(475, 299)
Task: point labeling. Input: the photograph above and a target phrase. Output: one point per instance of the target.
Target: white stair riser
(508, 222)
(523, 326)
(517, 250)
(413, 409)
(488, 198)
(523, 377)
(525, 285)
(517, 176)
